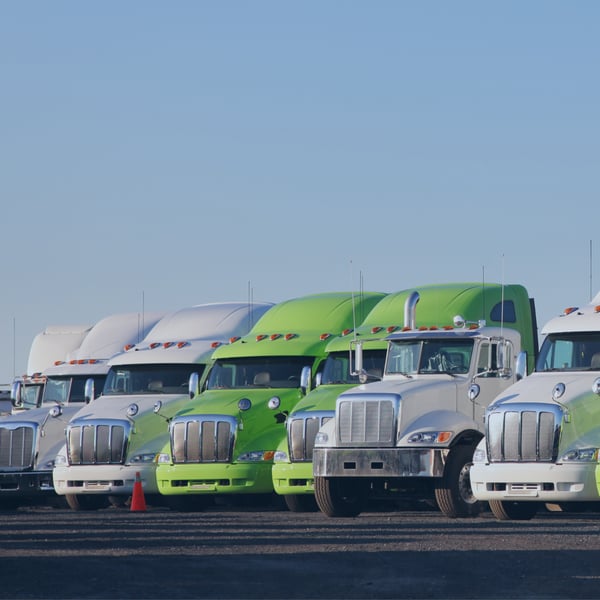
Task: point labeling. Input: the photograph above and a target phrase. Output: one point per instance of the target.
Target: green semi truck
(223, 442)
(412, 435)
(292, 467)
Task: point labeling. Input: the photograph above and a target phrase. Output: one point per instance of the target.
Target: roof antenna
(591, 287)
(250, 304)
(502, 299)
(353, 301)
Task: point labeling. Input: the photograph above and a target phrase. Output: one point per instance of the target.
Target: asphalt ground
(249, 553)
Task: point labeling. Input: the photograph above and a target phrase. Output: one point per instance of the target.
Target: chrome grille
(524, 433)
(97, 442)
(302, 430)
(203, 438)
(368, 421)
(17, 445)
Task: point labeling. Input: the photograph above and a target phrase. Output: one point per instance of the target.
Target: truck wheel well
(468, 438)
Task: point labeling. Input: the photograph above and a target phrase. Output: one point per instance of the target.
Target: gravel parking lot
(234, 553)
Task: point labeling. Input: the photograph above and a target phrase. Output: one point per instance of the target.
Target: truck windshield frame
(570, 351)
(257, 372)
(70, 389)
(134, 380)
(336, 369)
(428, 356)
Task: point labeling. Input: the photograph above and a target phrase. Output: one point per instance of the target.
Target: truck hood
(538, 387)
(418, 395)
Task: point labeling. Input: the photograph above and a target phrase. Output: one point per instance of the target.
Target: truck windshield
(258, 372)
(578, 351)
(429, 356)
(70, 389)
(150, 379)
(32, 394)
(337, 367)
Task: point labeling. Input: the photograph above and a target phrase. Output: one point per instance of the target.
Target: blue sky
(164, 154)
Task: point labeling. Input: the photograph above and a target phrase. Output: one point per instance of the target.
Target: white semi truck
(29, 440)
(54, 343)
(118, 435)
(412, 435)
(542, 435)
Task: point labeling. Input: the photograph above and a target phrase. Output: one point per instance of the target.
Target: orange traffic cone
(138, 502)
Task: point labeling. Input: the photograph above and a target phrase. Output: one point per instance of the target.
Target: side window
(486, 363)
(504, 311)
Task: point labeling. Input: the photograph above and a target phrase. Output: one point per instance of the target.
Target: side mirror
(16, 394)
(503, 358)
(305, 377)
(193, 385)
(88, 390)
(318, 379)
(358, 358)
(521, 365)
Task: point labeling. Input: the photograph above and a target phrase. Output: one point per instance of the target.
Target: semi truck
(29, 440)
(54, 343)
(292, 471)
(117, 436)
(223, 442)
(542, 434)
(412, 435)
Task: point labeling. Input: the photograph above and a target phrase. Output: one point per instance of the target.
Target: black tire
(453, 492)
(300, 503)
(87, 501)
(505, 510)
(118, 501)
(340, 497)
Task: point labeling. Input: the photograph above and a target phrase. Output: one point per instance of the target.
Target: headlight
(430, 437)
(280, 456)
(321, 438)
(60, 461)
(163, 458)
(143, 458)
(480, 455)
(257, 456)
(274, 403)
(582, 455)
(245, 404)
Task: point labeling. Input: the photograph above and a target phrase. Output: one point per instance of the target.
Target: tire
(300, 503)
(453, 492)
(505, 510)
(87, 501)
(340, 497)
(118, 501)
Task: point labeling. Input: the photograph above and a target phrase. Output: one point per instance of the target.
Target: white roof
(584, 318)
(188, 335)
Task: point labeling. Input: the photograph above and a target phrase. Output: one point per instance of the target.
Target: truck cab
(30, 439)
(542, 435)
(53, 345)
(412, 435)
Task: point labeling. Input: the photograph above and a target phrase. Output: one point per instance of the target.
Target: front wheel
(87, 501)
(340, 497)
(453, 491)
(300, 503)
(505, 510)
